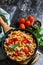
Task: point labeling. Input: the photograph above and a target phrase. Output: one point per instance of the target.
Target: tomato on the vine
(27, 23)
(22, 26)
(21, 20)
(31, 18)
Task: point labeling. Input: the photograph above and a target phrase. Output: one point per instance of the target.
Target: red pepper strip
(16, 54)
(25, 41)
(25, 51)
(9, 42)
(15, 39)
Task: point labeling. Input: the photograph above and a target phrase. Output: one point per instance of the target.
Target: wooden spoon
(4, 25)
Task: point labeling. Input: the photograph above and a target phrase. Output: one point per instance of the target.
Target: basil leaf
(36, 32)
(41, 42)
(13, 46)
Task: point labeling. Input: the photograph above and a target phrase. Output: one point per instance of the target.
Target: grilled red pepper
(25, 41)
(16, 54)
(26, 51)
(15, 39)
(9, 42)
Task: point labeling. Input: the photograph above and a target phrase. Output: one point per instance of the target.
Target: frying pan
(8, 30)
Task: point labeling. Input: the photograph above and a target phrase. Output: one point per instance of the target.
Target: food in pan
(19, 45)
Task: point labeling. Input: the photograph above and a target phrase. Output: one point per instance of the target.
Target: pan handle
(4, 25)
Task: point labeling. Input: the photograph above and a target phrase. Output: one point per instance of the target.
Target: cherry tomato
(9, 42)
(21, 20)
(22, 26)
(27, 23)
(25, 41)
(31, 18)
(26, 51)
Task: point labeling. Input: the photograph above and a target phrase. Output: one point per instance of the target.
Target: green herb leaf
(41, 42)
(13, 46)
(36, 32)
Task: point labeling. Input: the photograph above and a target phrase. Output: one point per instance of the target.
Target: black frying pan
(8, 30)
